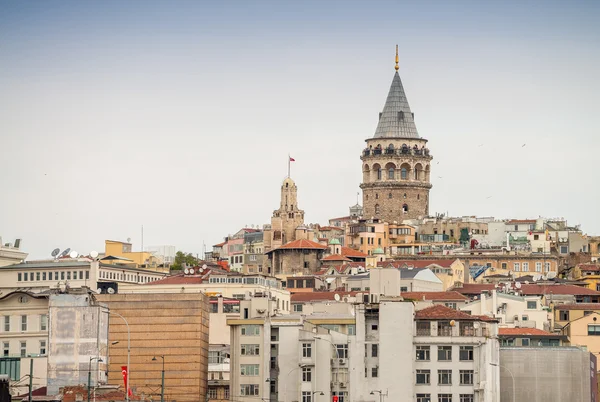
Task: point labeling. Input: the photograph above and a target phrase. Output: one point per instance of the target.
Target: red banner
(125, 373)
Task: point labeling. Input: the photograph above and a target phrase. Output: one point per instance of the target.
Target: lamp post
(92, 358)
(337, 356)
(162, 383)
(287, 377)
(128, 354)
(381, 394)
(99, 360)
(512, 376)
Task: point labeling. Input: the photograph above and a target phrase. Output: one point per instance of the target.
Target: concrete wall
(545, 374)
(173, 325)
(77, 332)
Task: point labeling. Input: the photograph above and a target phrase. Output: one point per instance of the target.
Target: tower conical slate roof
(396, 120)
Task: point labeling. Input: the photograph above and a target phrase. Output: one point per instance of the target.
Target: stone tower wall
(403, 195)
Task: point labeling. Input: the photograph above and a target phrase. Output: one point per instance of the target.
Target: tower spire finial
(396, 59)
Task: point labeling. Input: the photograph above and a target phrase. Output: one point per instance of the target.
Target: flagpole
(289, 162)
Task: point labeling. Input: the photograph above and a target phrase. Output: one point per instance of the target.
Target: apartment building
(353, 353)
(11, 253)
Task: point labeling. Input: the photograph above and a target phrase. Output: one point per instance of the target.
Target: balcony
(403, 151)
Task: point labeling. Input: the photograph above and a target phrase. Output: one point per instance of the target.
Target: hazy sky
(179, 115)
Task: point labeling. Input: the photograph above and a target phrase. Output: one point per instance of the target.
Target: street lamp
(286, 379)
(128, 354)
(512, 376)
(92, 358)
(337, 355)
(381, 394)
(317, 392)
(100, 360)
(162, 386)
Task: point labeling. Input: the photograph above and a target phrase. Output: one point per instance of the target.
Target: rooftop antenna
(55, 252)
(142, 238)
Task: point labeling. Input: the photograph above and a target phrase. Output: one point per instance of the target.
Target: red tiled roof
(349, 252)
(302, 244)
(521, 221)
(439, 312)
(219, 245)
(435, 296)
(336, 257)
(318, 296)
(322, 272)
(524, 332)
(589, 267)
(444, 263)
(578, 306)
(529, 289)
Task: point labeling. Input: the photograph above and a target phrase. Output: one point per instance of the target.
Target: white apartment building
(510, 310)
(11, 253)
(38, 276)
(381, 346)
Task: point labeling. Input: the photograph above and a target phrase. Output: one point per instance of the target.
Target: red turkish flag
(292, 159)
(125, 373)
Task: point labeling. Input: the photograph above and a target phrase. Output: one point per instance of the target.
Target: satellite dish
(186, 271)
(336, 297)
(535, 278)
(551, 275)
(191, 271)
(55, 252)
(526, 282)
(99, 290)
(64, 253)
(452, 323)
(204, 266)
(74, 254)
(111, 291)
(518, 285)
(93, 254)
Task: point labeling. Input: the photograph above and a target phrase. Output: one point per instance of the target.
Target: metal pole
(337, 355)
(30, 378)
(128, 354)
(511, 375)
(89, 378)
(162, 393)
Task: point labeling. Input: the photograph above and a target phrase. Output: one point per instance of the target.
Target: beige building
(172, 326)
(367, 235)
(396, 163)
(584, 331)
(11, 253)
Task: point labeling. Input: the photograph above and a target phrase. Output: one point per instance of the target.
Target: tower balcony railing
(403, 151)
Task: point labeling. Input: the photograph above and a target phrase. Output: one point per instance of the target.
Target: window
(450, 305)
(423, 328)
(593, 329)
(19, 277)
(517, 267)
(23, 323)
(376, 207)
(525, 342)
(43, 322)
(564, 315)
(374, 372)
(68, 275)
(6, 323)
(379, 174)
(467, 328)
(444, 397)
(531, 305)
(504, 265)
(547, 267)
(444, 377)
(250, 330)
(249, 369)
(391, 174)
(466, 377)
(214, 308)
(404, 174)
(23, 349)
(422, 353)
(74, 275)
(250, 350)
(466, 398)
(564, 249)
(507, 342)
(215, 357)
(423, 376)
(390, 195)
(374, 327)
(43, 276)
(42, 348)
(306, 374)
(87, 274)
(423, 397)
(37, 276)
(212, 393)
(466, 353)
(226, 392)
(374, 350)
(25, 276)
(306, 350)
(249, 389)
(405, 208)
(525, 267)
(351, 329)
(444, 328)
(342, 350)
(538, 267)
(306, 396)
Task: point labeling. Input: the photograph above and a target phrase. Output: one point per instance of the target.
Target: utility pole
(30, 378)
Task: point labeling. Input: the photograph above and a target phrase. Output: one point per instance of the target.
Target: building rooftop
(528, 289)
(578, 306)
(524, 332)
(435, 296)
(336, 257)
(351, 253)
(444, 263)
(439, 312)
(301, 245)
(396, 120)
(319, 296)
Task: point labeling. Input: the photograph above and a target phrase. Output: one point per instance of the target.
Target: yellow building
(584, 331)
(588, 273)
(367, 235)
(122, 249)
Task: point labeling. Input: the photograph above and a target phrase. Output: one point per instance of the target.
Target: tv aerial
(55, 252)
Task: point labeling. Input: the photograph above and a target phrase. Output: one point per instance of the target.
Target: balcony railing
(400, 151)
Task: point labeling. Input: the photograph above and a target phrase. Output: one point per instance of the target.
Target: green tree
(184, 258)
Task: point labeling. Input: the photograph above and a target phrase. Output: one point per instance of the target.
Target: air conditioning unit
(342, 384)
(342, 361)
(492, 269)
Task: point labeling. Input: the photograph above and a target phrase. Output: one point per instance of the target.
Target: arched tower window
(405, 208)
(391, 171)
(391, 174)
(379, 174)
(418, 172)
(376, 209)
(390, 195)
(404, 174)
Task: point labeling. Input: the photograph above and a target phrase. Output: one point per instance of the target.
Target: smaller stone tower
(287, 218)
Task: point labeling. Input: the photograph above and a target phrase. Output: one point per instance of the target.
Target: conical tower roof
(396, 120)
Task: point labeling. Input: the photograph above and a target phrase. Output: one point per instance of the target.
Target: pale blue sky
(180, 115)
